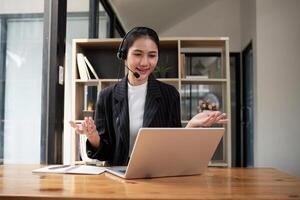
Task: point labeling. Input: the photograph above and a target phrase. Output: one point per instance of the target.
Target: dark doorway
(235, 108)
(247, 107)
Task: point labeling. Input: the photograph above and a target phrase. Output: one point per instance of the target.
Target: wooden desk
(17, 182)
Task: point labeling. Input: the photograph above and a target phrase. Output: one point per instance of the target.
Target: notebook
(71, 169)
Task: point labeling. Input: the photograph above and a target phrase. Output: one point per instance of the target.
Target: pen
(59, 167)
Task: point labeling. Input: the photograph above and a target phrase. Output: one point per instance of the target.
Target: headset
(122, 52)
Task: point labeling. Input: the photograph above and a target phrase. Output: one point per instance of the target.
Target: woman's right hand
(88, 128)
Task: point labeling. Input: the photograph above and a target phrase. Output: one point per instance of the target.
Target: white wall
(37, 6)
(248, 22)
(220, 18)
(278, 85)
(17, 6)
(248, 35)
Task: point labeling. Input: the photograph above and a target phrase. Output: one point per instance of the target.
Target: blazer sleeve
(103, 152)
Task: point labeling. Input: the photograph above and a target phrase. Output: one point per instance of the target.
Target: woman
(138, 100)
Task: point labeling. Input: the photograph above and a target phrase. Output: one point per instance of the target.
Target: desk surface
(17, 182)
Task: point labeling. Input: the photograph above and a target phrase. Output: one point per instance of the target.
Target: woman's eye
(152, 55)
(137, 54)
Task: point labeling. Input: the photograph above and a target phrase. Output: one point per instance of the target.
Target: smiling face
(142, 58)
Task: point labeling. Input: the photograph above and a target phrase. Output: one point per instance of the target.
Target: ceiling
(157, 14)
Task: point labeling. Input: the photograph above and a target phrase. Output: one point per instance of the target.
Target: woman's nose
(144, 60)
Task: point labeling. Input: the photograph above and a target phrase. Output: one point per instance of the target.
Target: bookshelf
(197, 67)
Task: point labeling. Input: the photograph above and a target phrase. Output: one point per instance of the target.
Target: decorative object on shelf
(161, 71)
(199, 69)
(89, 112)
(210, 102)
(203, 65)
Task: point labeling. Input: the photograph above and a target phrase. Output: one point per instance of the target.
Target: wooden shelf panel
(96, 81)
(93, 82)
(201, 50)
(203, 81)
(169, 80)
(169, 43)
(208, 43)
(115, 42)
(98, 43)
(109, 80)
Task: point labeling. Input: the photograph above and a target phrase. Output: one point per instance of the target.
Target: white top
(136, 106)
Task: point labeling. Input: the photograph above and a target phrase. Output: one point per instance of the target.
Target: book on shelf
(85, 67)
(182, 65)
(83, 73)
(91, 67)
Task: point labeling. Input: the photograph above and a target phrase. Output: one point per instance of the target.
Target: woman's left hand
(207, 119)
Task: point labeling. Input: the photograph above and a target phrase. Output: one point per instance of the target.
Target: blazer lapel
(152, 101)
(120, 106)
(120, 110)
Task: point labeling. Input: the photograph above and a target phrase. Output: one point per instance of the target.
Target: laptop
(161, 152)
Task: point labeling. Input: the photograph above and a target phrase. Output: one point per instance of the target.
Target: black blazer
(162, 109)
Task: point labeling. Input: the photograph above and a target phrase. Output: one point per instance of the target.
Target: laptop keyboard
(119, 169)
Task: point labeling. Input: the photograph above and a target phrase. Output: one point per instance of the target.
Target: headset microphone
(136, 75)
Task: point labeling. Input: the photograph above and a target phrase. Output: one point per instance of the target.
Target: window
(21, 67)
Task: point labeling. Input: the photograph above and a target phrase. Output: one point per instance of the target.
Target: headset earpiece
(122, 53)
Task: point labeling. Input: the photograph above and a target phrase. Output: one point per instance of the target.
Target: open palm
(207, 119)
